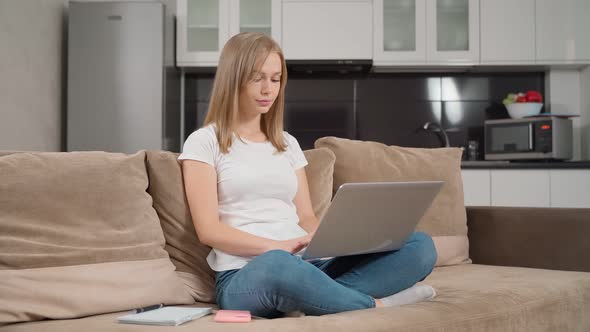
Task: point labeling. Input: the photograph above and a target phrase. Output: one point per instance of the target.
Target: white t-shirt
(255, 187)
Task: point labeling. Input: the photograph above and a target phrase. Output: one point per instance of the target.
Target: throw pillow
(319, 173)
(79, 236)
(445, 220)
(187, 253)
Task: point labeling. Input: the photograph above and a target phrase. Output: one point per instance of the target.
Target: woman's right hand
(293, 245)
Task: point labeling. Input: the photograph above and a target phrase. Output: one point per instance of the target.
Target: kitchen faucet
(439, 130)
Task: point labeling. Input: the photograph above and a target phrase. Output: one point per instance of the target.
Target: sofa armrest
(549, 238)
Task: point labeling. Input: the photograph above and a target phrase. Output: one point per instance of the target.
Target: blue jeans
(277, 282)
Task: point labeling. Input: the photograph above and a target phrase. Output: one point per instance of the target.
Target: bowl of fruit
(520, 105)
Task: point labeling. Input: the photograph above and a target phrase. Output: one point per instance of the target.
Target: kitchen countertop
(501, 164)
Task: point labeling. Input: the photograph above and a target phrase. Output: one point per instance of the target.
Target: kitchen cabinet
(560, 188)
(256, 16)
(507, 30)
(570, 188)
(562, 31)
(399, 34)
(431, 32)
(452, 32)
(476, 187)
(204, 26)
(327, 29)
(520, 188)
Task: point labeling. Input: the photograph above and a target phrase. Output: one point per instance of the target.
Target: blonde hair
(241, 56)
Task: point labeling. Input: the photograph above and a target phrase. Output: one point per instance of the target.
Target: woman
(249, 198)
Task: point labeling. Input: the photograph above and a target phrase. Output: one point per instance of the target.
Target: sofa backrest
(79, 236)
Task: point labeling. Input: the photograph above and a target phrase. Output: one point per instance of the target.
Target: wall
(33, 72)
(585, 113)
(32, 75)
(568, 93)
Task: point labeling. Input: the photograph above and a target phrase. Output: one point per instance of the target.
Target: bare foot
(378, 303)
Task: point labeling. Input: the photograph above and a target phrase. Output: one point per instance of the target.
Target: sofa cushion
(79, 236)
(470, 297)
(186, 252)
(445, 220)
(7, 152)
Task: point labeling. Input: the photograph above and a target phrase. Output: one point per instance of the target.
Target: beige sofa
(86, 236)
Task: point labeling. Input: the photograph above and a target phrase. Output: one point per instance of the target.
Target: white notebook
(165, 316)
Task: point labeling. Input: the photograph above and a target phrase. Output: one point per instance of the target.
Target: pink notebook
(233, 316)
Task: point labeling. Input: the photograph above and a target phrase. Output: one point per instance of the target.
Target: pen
(149, 307)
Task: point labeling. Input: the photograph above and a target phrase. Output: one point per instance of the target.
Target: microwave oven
(528, 138)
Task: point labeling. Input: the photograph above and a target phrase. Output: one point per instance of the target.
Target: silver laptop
(371, 217)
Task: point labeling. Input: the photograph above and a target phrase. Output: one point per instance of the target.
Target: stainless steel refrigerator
(123, 88)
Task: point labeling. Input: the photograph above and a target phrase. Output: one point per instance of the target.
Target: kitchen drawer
(476, 187)
(520, 188)
(570, 188)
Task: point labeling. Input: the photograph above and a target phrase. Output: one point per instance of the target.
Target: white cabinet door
(562, 31)
(202, 28)
(399, 35)
(426, 32)
(476, 187)
(325, 30)
(507, 30)
(570, 188)
(256, 16)
(520, 188)
(452, 34)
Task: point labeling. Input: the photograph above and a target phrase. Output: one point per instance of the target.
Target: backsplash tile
(502, 84)
(464, 88)
(459, 114)
(398, 123)
(320, 90)
(404, 87)
(384, 107)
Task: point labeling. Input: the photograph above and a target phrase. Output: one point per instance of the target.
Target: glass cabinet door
(399, 25)
(202, 26)
(452, 25)
(255, 16)
(400, 31)
(453, 31)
